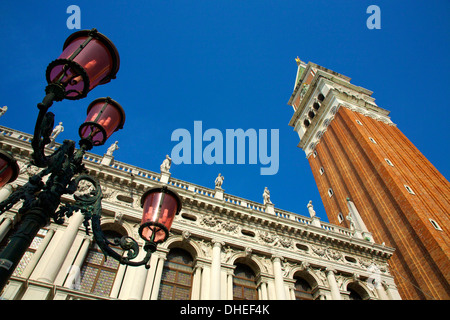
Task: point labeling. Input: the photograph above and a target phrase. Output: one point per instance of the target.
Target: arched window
(97, 273)
(354, 295)
(244, 284)
(303, 290)
(357, 292)
(176, 279)
(320, 97)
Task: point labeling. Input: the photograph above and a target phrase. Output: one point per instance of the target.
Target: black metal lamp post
(88, 59)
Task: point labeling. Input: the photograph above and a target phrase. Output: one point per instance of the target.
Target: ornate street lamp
(104, 117)
(160, 205)
(88, 59)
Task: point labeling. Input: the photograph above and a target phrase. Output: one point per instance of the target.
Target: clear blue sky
(230, 64)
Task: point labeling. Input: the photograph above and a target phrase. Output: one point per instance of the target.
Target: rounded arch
(358, 290)
(110, 224)
(179, 242)
(310, 277)
(251, 261)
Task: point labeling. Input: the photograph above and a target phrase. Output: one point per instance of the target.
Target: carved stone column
(6, 191)
(158, 274)
(139, 278)
(38, 254)
(334, 289)
(263, 290)
(150, 277)
(215, 270)
(230, 274)
(278, 273)
(73, 280)
(206, 279)
(59, 255)
(196, 282)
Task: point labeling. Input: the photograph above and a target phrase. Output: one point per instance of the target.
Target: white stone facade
(217, 229)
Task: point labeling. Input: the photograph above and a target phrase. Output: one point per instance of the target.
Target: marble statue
(112, 148)
(56, 131)
(165, 166)
(311, 211)
(266, 196)
(219, 181)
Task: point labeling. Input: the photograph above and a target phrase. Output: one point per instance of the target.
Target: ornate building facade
(356, 152)
(221, 247)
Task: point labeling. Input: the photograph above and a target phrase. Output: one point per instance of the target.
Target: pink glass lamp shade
(9, 170)
(160, 207)
(88, 59)
(104, 117)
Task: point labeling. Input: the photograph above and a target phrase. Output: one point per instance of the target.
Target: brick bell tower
(371, 178)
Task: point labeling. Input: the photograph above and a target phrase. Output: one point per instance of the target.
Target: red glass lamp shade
(160, 207)
(88, 59)
(9, 170)
(104, 117)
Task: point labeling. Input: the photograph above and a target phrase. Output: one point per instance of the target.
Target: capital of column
(330, 270)
(198, 266)
(161, 254)
(356, 277)
(88, 238)
(217, 243)
(277, 257)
